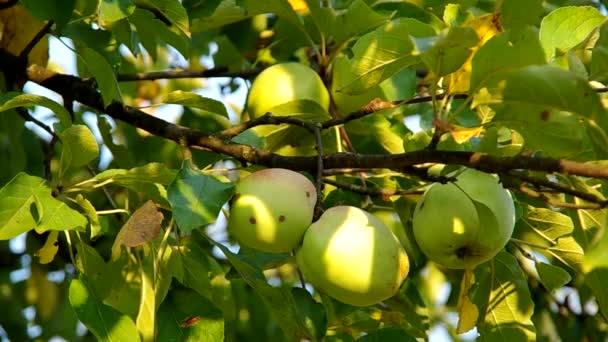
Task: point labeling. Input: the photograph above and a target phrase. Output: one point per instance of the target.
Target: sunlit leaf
(11, 100)
(79, 147)
(383, 52)
(503, 293)
(146, 315)
(506, 51)
(89, 211)
(26, 203)
(566, 27)
(106, 323)
(468, 312)
(191, 99)
(110, 12)
(486, 27)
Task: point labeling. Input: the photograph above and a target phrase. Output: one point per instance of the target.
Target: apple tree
(336, 170)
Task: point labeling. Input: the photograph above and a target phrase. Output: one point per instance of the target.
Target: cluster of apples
(348, 253)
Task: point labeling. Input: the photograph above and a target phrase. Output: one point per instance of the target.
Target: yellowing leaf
(42, 293)
(299, 6)
(463, 134)
(486, 27)
(468, 313)
(17, 28)
(49, 250)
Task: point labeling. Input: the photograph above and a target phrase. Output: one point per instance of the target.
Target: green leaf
(446, 52)
(596, 280)
(569, 252)
(79, 147)
(375, 134)
(190, 99)
(566, 27)
(151, 31)
(26, 203)
(225, 13)
(171, 10)
(149, 173)
(106, 323)
(506, 51)
(310, 312)
(552, 277)
(410, 10)
(548, 87)
(357, 19)
(110, 12)
(599, 56)
(60, 11)
(89, 211)
(557, 134)
(344, 25)
(13, 100)
(146, 315)
(148, 179)
(103, 73)
(386, 334)
(383, 52)
(519, 14)
(199, 271)
(502, 292)
(120, 285)
(197, 198)
(186, 316)
(120, 153)
(279, 301)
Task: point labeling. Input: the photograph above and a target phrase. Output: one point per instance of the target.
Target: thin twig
(171, 74)
(266, 119)
(540, 182)
(378, 105)
(37, 38)
(319, 177)
(25, 115)
(384, 194)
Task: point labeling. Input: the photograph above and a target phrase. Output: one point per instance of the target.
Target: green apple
(272, 209)
(352, 256)
(463, 224)
(282, 83)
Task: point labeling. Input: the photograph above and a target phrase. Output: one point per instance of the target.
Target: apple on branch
(352, 256)
(272, 209)
(282, 83)
(462, 224)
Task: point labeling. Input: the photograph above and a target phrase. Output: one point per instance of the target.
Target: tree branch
(39, 35)
(85, 93)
